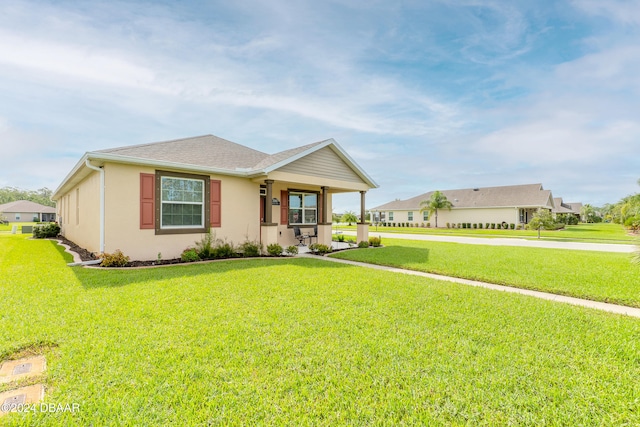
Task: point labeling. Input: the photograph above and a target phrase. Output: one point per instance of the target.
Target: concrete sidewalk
(611, 308)
(505, 241)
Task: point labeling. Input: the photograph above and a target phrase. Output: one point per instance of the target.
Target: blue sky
(424, 95)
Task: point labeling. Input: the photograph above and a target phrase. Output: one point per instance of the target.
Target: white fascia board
(76, 168)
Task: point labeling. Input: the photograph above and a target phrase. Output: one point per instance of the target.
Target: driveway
(599, 247)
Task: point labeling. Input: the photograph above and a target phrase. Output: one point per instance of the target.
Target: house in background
(513, 204)
(27, 211)
(162, 197)
(567, 208)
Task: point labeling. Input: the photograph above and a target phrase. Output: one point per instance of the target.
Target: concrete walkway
(612, 308)
(505, 241)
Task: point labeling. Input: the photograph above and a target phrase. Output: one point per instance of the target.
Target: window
(182, 202)
(425, 216)
(18, 217)
(303, 208)
(390, 216)
(410, 216)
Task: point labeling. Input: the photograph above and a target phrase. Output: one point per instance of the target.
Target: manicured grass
(8, 227)
(599, 276)
(307, 342)
(594, 233)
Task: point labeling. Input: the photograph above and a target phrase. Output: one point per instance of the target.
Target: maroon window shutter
(320, 218)
(147, 200)
(284, 207)
(215, 203)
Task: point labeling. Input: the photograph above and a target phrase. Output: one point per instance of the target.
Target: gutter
(101, 171)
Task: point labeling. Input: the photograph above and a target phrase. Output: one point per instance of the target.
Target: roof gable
(25, 206)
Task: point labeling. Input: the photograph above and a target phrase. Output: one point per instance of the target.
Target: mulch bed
(84, 254)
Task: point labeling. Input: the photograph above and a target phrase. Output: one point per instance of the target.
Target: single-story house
(162, 197)
(513, 204)
(562, 207)
(27, 211)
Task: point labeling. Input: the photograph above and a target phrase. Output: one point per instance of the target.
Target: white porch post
(324, 227)
(268, 229)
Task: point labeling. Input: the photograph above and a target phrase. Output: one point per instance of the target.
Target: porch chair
(315, 234)
(298, 235)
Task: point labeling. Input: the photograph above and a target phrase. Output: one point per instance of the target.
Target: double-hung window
(425, 215)
(390, 216)
(182, 203)
(303, 208)
(410, 216)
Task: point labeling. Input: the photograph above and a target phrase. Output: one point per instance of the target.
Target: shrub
(292, 250)
(375, 241)
(475, 225)
(274, 249)
(224, 250)
(319, 248)
(363, 245)
(448, 225)
(205, 247)
(46, 231)
(632, 223)
(480, 225)
(512, 226)
(468, 225)
(340, 237)
(252, 249)
(493, 225)
(487, 225)
(190, 255)
(116, 259)
(428, 225)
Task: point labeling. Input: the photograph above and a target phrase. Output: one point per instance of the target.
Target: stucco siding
(490, 215)
(240, 215)
(79, 212)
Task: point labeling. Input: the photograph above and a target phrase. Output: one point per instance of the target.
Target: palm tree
(437, 201)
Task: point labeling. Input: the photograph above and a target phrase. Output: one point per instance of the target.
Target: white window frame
(410, 216)
(175, 202)
(303, 208)
(390, 215)
(18, 216)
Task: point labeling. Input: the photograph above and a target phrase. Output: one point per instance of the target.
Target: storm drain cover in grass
(14, 400)
(12, 370)
(23, 368)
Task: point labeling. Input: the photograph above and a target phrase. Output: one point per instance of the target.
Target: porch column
(363, 226)
(268, 230)
(362, 208)
(324, 206)
(268, 209)
(324, 227)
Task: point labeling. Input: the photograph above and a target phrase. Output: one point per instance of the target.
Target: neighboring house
(513, 204)
(26, 211)
(567, 208)
(162, 197)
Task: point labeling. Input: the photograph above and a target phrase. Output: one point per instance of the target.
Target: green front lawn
(592, 233)
(306, 342)
(599, 276)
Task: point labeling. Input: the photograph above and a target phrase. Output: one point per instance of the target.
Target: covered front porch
(295, 213)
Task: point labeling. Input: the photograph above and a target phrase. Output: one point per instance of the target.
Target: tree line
(11, 194)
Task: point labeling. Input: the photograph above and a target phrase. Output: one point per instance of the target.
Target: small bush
(375, 241)
(512, 226)
(205, 247)
(252, 249)
(428, 225)
(319, 248)
(363, 245)
(480, 225)
(224, 250)
(487, 225)
(448, 225)
(493, 225)
(340, 237)
(292, 250)
(190, 255)
(46, 231)
(475, 225)
(116, 259)
(274, 249)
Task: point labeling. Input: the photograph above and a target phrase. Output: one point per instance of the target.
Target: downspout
(101, 170)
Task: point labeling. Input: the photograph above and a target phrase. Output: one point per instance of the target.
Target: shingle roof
(26, 206)
(207, 150)
(529, 195)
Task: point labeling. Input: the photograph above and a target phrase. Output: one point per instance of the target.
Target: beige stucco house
(162, 197)
(513, 204)
(27, 211)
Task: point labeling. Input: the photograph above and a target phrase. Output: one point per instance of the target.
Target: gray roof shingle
(483, 197)
(26, 206)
